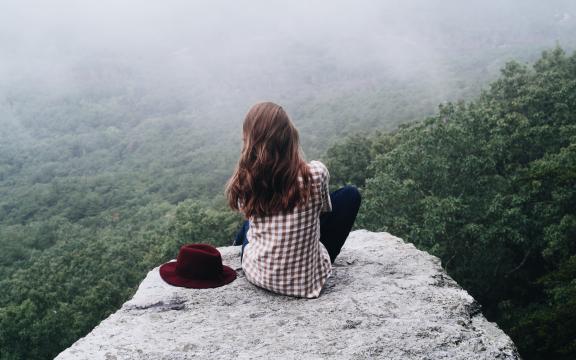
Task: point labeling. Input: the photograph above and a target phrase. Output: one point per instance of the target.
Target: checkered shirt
(284, 253)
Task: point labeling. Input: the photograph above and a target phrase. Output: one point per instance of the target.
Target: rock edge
(385, 299)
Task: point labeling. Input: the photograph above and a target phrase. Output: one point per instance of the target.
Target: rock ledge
(385, 299)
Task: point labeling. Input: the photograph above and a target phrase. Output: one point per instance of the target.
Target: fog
(224, 55)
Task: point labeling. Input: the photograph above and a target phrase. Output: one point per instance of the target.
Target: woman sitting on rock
(295, 228)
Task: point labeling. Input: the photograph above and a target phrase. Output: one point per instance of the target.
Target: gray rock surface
(385, 299)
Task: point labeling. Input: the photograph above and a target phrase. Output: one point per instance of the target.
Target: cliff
(385, 299)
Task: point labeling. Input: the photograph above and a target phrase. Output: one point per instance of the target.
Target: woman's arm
(324, 187)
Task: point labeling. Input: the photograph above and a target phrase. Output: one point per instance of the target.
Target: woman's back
(284, 253)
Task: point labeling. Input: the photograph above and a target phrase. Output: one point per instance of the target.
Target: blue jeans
(241, 238)
(334, 226)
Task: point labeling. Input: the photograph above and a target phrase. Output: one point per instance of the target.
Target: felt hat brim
(168, 274)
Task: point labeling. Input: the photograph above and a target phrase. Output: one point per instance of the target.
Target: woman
(295, 228)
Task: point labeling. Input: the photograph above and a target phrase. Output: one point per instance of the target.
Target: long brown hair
(265, 181)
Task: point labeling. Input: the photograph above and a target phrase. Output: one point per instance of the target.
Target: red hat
(198, 266)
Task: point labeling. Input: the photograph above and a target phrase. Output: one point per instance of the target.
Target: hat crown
(199, 261)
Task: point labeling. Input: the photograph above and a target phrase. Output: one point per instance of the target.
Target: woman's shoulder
(318, 169)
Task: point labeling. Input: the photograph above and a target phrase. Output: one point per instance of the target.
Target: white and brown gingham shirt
(284, 253)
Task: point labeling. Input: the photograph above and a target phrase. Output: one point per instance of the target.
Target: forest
(116, 142)
(488, 186)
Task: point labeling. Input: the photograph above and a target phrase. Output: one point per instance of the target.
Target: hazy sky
(259, 46)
